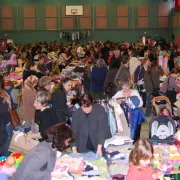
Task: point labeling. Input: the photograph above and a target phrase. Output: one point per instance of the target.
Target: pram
(160, 102)
(162, 130)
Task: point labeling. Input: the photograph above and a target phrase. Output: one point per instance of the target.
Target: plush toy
(9, 168)
(2, 160)
(19, 158)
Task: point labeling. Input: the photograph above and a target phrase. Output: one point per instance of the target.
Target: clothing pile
(166, 158)
(85, 165)
(117, 150)
(15, 77)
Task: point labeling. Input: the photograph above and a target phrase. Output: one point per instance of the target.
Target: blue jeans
(9, 129)
(4, 149)
(148, 105)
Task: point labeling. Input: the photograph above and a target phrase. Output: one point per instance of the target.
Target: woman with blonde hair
(131, 102)
(98, 76)
(28, 97)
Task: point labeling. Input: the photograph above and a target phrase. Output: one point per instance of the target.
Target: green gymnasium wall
(176, 26)
(131, 34)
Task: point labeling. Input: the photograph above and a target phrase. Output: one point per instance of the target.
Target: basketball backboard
(73, 10)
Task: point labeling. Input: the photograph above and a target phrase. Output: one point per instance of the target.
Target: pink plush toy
(8, 168)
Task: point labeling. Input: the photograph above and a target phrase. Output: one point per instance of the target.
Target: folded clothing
(101, 165)
(90, 173)
(117, 140)
(86, 156)
(121, 152)
(90, 170)
(115, 168)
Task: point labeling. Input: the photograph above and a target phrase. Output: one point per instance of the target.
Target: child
(165, 112)
(140, 161)
(47, 116)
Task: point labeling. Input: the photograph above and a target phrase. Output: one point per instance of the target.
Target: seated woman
(47, 116)
(123, 97)
(40, 161)
(90, 123)
(31, 69)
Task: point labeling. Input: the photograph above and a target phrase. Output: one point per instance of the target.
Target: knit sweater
(140, 174)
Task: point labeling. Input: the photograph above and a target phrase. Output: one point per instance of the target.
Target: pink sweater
(144, 173)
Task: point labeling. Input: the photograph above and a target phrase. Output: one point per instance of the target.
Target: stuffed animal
(9, 168)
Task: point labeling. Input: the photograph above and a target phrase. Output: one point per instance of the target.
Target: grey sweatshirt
(37, 164)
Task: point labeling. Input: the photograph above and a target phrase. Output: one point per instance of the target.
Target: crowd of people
(111, 71)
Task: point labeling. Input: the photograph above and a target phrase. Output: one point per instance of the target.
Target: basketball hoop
(74, 11)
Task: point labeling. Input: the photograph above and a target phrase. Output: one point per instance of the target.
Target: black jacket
(48, 119)
(4, 120)
(95, 126)
(59, 104)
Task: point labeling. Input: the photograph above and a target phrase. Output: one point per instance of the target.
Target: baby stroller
(160, 102)
(162, 130)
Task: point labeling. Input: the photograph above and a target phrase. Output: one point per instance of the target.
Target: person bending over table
(90, 124)
(39, 163)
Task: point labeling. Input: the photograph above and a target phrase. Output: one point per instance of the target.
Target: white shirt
(134, 92)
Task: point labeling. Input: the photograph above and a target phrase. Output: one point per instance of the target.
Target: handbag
(14, 117)
(108, 88)
(171, 94)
